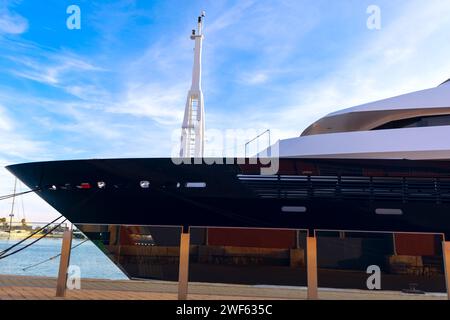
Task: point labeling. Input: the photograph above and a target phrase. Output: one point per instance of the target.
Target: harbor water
(92, 262)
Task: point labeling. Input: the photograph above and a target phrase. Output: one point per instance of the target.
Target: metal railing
(404, 189)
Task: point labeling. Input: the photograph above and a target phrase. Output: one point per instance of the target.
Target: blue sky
(117, 87)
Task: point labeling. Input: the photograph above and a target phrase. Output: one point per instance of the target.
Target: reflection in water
(92, 262)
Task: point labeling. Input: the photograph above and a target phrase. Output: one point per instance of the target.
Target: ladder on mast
(192, 130)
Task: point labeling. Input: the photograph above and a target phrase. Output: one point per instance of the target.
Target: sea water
(93, 263)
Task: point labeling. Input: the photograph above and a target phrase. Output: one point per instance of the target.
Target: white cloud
(13, 143)
(15, 147)
(255, 78)
(90, 93)
(162, 104)
(229, 17)
(11, 23)
(29, 206)
(6, 123)
(55, 69)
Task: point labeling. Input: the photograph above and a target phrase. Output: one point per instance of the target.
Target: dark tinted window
(427, 121)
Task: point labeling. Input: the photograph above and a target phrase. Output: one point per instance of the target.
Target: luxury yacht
(382, 167)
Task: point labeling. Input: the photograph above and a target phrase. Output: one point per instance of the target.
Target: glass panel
(426, 121)
(248, 256)
(141, 252)
(405, 260)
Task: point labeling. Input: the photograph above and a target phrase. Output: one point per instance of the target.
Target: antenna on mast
(193, 128)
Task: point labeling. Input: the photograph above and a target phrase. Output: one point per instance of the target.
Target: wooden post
(311, 261)
(64, 263)
(183, 274)
(446, 256)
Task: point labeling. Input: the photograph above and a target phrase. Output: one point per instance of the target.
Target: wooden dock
(43, 288)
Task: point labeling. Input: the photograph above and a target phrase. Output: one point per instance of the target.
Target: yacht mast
(11, 215)
(193, 128)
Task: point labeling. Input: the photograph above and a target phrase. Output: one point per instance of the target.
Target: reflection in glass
(141, 252)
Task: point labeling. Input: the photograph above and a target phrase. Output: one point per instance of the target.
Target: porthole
(101, 184)
(144, 184)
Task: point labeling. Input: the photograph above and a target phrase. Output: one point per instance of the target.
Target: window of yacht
(196, 185)
(395, 212)
(291, 209)
(425, 121)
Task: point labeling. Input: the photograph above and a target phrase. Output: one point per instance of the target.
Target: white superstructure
(410, 126)
(193, 128)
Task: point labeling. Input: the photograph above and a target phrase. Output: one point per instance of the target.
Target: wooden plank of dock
(43, 288)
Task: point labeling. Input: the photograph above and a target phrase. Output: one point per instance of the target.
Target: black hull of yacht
(311, 194)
